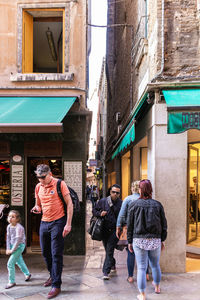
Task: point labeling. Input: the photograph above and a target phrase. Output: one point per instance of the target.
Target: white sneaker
(105, 276)
(27, 278)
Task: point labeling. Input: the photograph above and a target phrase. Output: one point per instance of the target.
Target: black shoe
(27, 278)
(105, 276)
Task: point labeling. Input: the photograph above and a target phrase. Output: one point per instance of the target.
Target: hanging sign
(17, 185)
(181, 121)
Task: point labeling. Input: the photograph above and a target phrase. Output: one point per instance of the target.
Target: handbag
(123, 237)
(96, 227)
(92, 222)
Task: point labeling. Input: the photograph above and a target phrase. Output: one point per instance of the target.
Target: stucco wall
(167, 170)
(11, 37)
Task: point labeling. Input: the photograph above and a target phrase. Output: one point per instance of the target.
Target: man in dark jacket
(109, 209)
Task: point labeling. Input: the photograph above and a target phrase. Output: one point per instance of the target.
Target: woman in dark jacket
(147, 230)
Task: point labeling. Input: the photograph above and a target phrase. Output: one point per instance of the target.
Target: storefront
(184, 115)
(166, 150)
(31, 135)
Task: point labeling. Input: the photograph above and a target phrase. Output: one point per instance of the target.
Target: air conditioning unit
(118, 117)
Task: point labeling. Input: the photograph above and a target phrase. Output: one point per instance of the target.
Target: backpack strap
(60, 195)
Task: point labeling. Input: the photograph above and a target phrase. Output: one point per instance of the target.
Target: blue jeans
(142, 258)
(52, 245)
(16, 259)
(130, 263)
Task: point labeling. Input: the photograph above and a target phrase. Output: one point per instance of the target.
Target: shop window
(111, 179)
(125, 175)
(143, 163)
(4, 198)
(4, 181)
(42, 41)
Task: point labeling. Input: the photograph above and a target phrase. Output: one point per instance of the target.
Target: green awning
(182, 98)
(34, 109)
(127, 139)
(129, 133)
(183, 109)
(33, 114)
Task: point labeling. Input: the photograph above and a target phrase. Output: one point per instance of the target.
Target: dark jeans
(109, 241)
(130, 262)
(52, 245)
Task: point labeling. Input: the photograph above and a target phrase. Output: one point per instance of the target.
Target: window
(42, 40)
(140, 42)
(125, 177)
(143, 163)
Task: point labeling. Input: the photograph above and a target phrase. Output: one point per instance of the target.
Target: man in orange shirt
(54, 226)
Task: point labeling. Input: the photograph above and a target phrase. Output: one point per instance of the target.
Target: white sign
(73, 176)
(17, 158)
(17, 185)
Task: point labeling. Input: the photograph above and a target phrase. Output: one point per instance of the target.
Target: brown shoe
(53, 293)
(48, 282)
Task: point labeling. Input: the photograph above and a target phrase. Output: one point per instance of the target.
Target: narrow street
(82, 279)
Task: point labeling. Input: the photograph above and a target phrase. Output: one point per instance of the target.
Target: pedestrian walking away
(146, 233)
(122, 221)
(94, 196)
(54, 226)
(109, 208)
(15, 245)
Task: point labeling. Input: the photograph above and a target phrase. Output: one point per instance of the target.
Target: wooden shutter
(27, 53)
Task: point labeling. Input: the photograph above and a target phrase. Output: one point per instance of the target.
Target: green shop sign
(181, 121)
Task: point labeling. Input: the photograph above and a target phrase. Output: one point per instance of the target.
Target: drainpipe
(162, 41)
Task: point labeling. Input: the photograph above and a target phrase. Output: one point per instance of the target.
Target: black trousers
(109, 241)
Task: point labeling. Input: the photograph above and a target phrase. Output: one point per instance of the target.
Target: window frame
(26, 15)
(66, 38)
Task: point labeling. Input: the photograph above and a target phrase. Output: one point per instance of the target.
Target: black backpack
(73, 194)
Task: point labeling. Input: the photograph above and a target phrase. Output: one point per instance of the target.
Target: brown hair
(17, 214)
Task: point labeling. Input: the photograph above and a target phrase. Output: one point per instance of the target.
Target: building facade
(153, 75)
(43, 106)
(101, 130)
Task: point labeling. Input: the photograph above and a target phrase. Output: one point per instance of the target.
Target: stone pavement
(82, 279)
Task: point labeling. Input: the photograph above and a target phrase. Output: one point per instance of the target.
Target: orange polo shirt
(51, 204)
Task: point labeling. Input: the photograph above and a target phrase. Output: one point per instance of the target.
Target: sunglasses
(114, 192)
(41, 177)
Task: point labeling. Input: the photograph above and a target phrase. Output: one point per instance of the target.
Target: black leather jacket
(146, 219)
(112, 208)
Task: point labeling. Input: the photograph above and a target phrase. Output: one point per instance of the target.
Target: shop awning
(126, 140)
(129, 133)
(33, 114)
(183, 109)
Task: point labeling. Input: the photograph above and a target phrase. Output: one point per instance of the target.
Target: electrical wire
(117, 1)
(112, 25)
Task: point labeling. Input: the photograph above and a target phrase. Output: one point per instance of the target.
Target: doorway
(33, 220)
(193, 203)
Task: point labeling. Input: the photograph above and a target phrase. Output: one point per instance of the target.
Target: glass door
(193, 216)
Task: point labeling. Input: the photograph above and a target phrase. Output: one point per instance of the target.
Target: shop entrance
(33, 220)
(193, 203)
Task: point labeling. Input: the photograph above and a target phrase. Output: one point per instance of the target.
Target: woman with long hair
(147, 230)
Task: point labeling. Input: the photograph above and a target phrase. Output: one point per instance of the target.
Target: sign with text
(17, 176)
(73, 176)
(181, 121)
